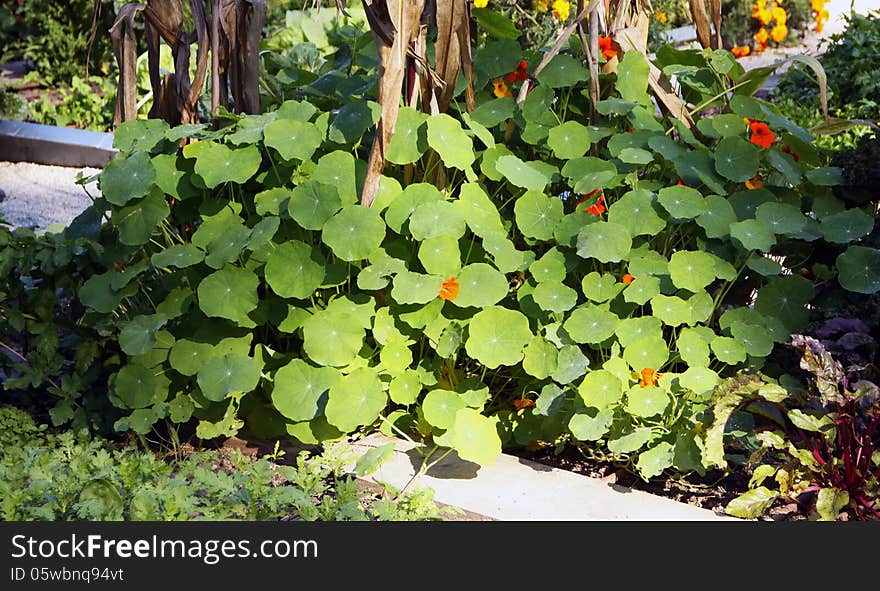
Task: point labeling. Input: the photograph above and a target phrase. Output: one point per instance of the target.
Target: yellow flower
(778, 33)
(542, 5)
(779, 15)
(661, 17)
(761, 36)
(480, 3)
(500, 88)
(561, 8)
(755, 182)
(765, 16)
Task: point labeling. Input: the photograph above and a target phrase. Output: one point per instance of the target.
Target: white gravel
(38, 195)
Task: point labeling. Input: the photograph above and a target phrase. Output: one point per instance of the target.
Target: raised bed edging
(49, 144)
(515, 489)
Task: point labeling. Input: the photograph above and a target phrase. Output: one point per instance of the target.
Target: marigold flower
(449, 289)
(761, 134)
(762, 37)
(627, 279)
(741, 51)
(779, 15)
(755, 182)
(649, 377)
(606, 47)
(778, 33)
(500, 89)
(542, 5)
(764, 16)
(480, 3)
(521, 403)
(661, 17)
(561, 9)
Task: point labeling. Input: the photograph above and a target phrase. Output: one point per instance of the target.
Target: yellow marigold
(661, 17)
(480, 3)
(778, 33)
(561, 9)
(500, 88)
(761, 36)
(542, 5)
(741, 51)
(765, 15)
(818, 5)
(779, 15)
(759, 6)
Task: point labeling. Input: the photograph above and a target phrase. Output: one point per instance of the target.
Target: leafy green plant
(72, 476)
(12, 105)
(85, 104)
(824, 446)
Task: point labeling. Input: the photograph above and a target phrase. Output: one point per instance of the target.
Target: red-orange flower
(449, 289)
(680, 182)
(521, 403)
(788, 150)
(606, 46)
(519, 74)
(741, 51)
(597, 208)
(599, 202)
(761, 134)
(649, 377)
(627, 279)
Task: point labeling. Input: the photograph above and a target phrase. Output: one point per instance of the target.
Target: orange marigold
(778, 33)
(741, 51)
(449, 289)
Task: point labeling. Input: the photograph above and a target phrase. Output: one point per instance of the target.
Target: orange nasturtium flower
(741, 51)
(755, 182)
(561, 9)
(649, 377)
(521, 73)
(480, 3)
(449, 289)
(500, 88)
(627, 279)
(761, 134)
(606, 46)
(521, 403)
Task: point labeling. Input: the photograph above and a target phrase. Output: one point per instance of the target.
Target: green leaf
(136, 386)
(699, 379)
(495, 23)
(415, 288)
(436, 218)
(569, 140)
(405, 388)
(522, 174)
(447, 137)
(138, 221)
(139, 135)
(312, 203)
(630, 330)
(496, 336)
(293, 139)
(654, 460)
(338, 169)
(728, 350)
(375, 457)
(647, 352)
(272, 201)
(355, 400)
(672, 310)
(785, 164)
(538, 102)
(751, 504)
(632, 78)
(218, 163)
(827, 176)
(753, 235)
(333, 338)
(353, 120)
(756, 340)
(179, 255)
(220, 376)
(478, 210)
(781, 218)
(138, 336)
(440, 407)
(539, 358)
(588, 173)
(591, 324)
(124, 179)
(636, 156)
(550, 267)
(571, 364)
(413, 196)
(717, 218)
(646, 402)
(604, 241)
(187, 357)
(600, 287)
(859, 269)
(229, 293)
(632, 441)
(682, 202)
(410, 138)
(295, 270)
(440, 255)
(692, 348)
(846, 226)
(728, 125)
(480, 285)
(475, 437)
(600, 389)
(563, 71)
(537, 215)
(691, 270)
(786, 299)
(830, 502)
(587, 428)
(641, 290)
(493, 112)
(354, 233)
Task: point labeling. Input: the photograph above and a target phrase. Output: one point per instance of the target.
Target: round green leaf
(539, 358)
(229, 293)
(553, 296)
(692, 348)
(753, 235)
(736, 159)
(600, 287)
(493, 112)
(440, 255)
(405, 388)
(478, 210)
(218, 163)
(139, 335)
(447, 137)
(179, 255)
(846, 226)
(591, 324)
(691, 270)
(699, 379)
(436, 218)
(475, 437)
(636, 156)
(220, 376)
(338, 169)
(401, 208)
(138, 221)
(642, 289)
(682, 202)
(124, 179)
(298, 389)
(630, 442)
(636, 211)
(717, 218)
(312, 203)
(410, 138)
(354, 233)
(600, 389)
(562, 71)
(571, 364)
(293, 139)
(786, 299)
(496, 336)
(187, 357)
(728, 125)
(355, 400)
(648, 352)
(781, 218)
(480, 285)
(295, 270)
(859, 269)
(654, 460)
(440, 406)
(604, 241)
(135, 385)
(550, 267)
(415, 288)
(728, 350)
(537, 215)
(569, 140)
(630, 330)
(333, 338)
(396, 357)
(589, 173)
(528, 175)
(672, 310)
(756, 340)
(649, 401)
(587, 428)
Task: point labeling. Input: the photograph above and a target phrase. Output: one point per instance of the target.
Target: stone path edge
(515, 489)
(48, 144)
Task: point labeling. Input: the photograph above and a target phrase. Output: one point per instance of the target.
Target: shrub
(85, 104)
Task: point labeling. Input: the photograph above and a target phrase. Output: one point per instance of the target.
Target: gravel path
(36, 195)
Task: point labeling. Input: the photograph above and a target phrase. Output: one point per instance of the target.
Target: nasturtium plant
(525, 274)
